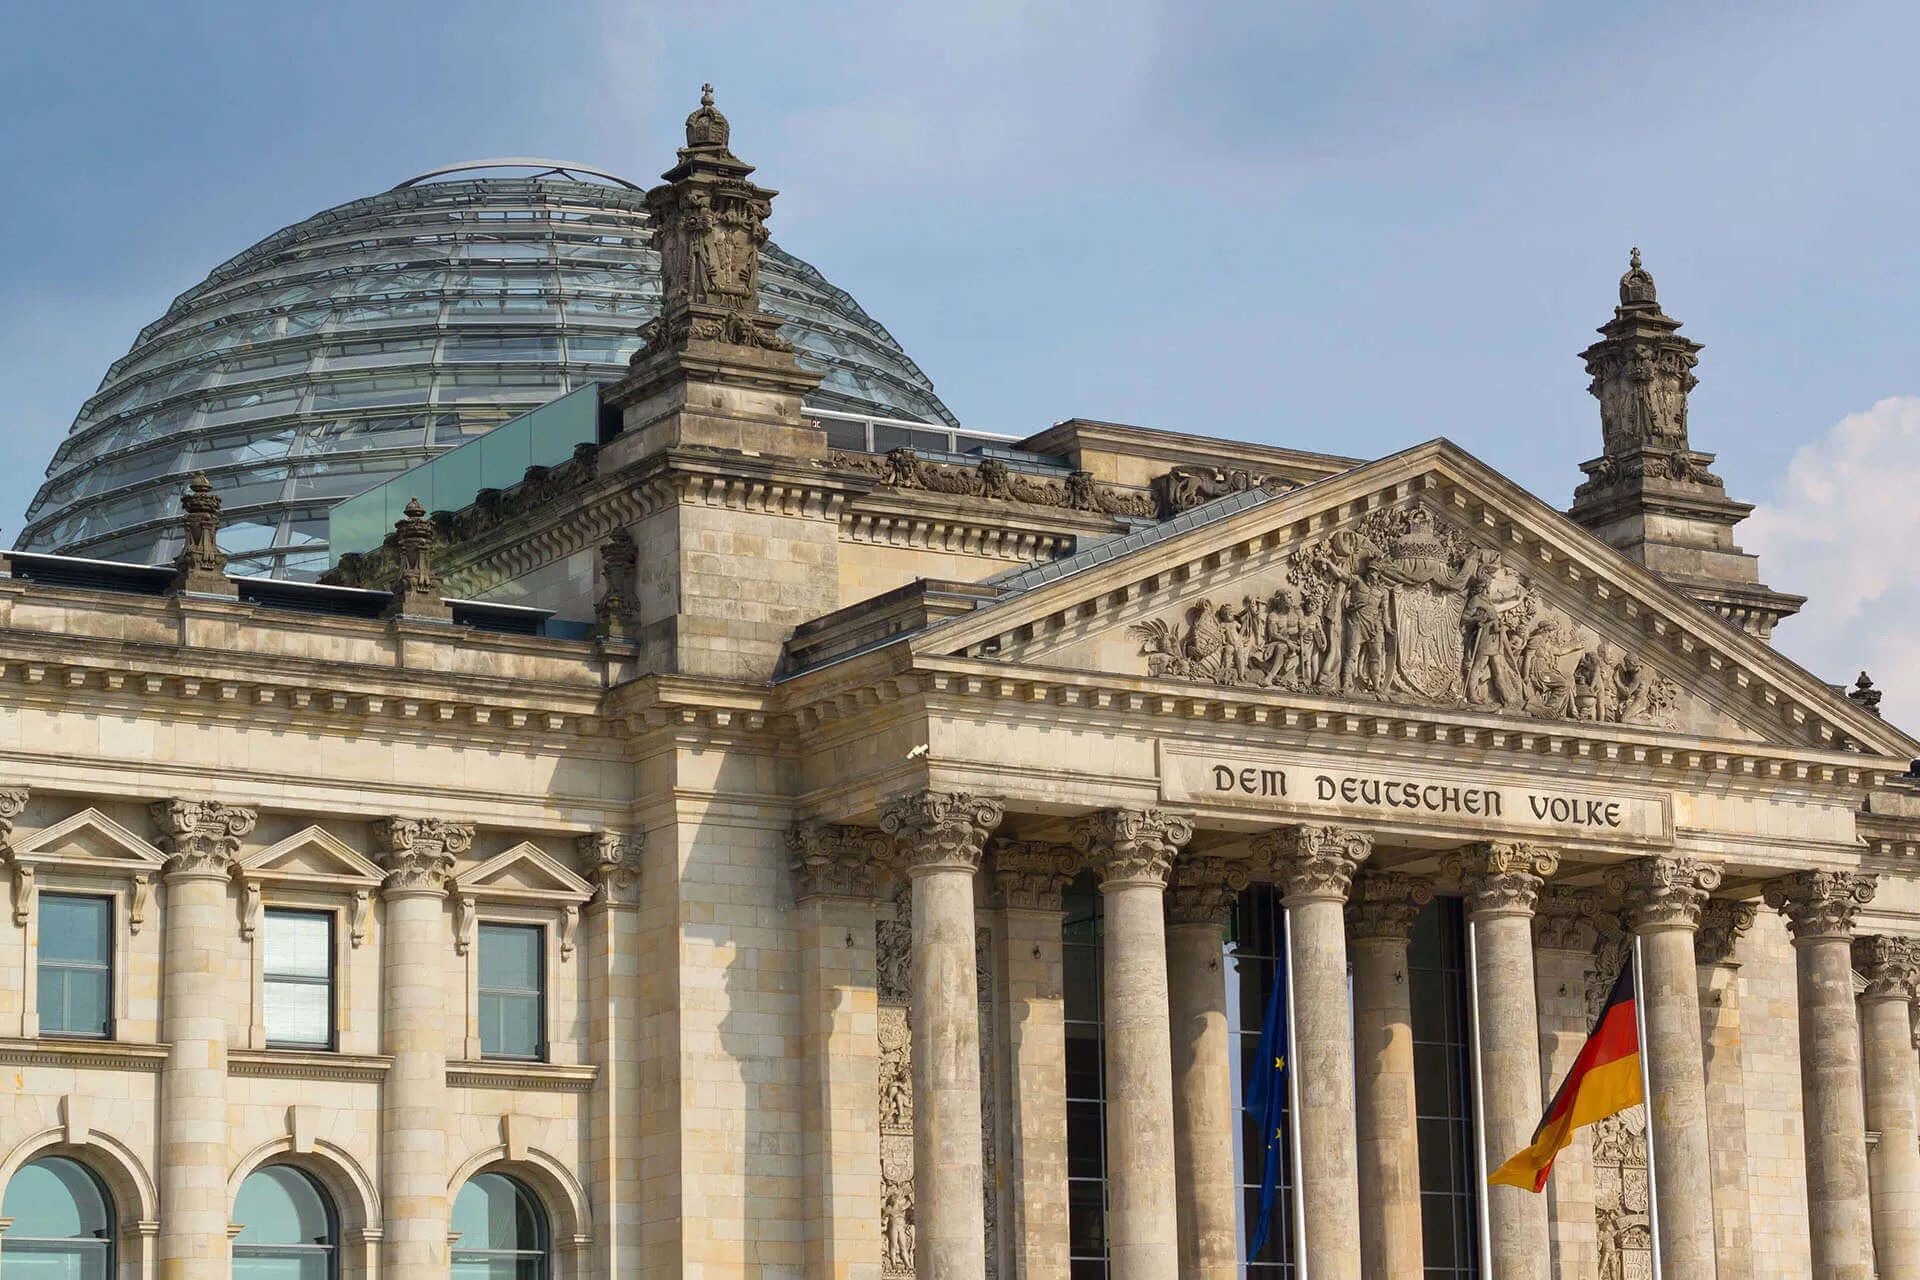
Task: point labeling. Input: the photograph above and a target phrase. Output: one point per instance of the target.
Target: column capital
(612, 859)
(1029, 874)
(201, 838)
(1314, 864)
(828, 860)
(1131, 846)
(418, 854)
(1722, 922)
(941, 830)
(1820, 904)
(1203, 890)
(1384, 904)
(1663, 891)
(1890, 964)
(13, 803)
(1568, 919)
(1501, 877)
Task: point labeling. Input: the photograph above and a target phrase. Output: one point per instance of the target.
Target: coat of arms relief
(1405, 609)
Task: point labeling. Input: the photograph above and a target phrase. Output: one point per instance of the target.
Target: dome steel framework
(349, 347)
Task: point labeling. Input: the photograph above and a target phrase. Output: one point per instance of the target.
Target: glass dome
(349, 347)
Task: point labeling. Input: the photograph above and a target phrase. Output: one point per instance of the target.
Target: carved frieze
(1314, 863)
(1384, 904)
(1820, 904)
(1204, 889)
(829, 860)
(1131, 845)
(995, 481)
(1405, 609)
(418, 853)
(1501, 877)
(1891, 966)
(199, 837)
(1666, 892)
(1029, 874)
(1722, 921)
(937, 830)
(1185, 487)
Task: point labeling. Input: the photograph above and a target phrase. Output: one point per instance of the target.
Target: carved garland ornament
(1131, 846)
(1820, 904)
(1663, 892)
(199, 837)
(1405, 610)
(1501, 877)
(994, 480)
(1384, 905)
(1314, 864)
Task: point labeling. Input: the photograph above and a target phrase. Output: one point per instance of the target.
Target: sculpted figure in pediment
(1405, 609)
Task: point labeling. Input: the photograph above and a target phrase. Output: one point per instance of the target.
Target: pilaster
(612, 954)
(1891, 966)
(1722, 922)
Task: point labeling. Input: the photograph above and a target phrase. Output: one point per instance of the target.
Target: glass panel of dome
(392, 388)
(612, 308)
(494, 307)
(237, 537)
(229, 449)
(389, 311)
(372, 433)
(495, 385)
(604, 348)
(337, 479)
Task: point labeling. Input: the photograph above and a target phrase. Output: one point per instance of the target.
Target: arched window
(288, 1229)
(62, 1223)
(501, 1230)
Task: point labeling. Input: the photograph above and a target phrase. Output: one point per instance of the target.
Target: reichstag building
(533, 745)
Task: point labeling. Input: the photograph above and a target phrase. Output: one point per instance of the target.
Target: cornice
(474, 1073)
(89, 1055)
(285, 1064)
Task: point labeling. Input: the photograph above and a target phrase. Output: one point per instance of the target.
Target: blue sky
(1347, 227)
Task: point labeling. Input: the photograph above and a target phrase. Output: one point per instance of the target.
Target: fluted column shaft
(1662, 899)
(1721, 925)
(1204, 1116)
(1379, 924)
(200, 839)
(1315, 868)
(1891, 966)
(1133, 850)
(1502, 882)
(419, 856)
(939, 836)
(1820, 907)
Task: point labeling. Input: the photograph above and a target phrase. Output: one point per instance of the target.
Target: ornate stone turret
(1650, 493)
(709, 223)
(201, 567)
(416, 588)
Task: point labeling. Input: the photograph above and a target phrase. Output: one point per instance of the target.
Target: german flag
(1605, 1079)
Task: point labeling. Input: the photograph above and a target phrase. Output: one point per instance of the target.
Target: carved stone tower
(714, 371)
(1650, 493)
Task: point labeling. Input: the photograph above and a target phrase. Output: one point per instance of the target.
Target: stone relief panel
(989, 1101)
(893, 944)
(1404, 608)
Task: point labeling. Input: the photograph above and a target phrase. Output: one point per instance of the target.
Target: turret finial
(1636, 287)
(707, 129)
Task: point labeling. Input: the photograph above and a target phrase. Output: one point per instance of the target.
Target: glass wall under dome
(345, 349)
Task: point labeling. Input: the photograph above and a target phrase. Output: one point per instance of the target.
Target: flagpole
(1293, 1106)
(1646, 1105)
(1485, 1210)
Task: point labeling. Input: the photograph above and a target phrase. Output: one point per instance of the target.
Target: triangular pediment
(89, 839)
(524, 871)
(314, 854)
(1427, 580)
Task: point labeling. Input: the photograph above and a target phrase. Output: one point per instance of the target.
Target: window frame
(542, 981)
(109, 1242)
(331, 982)
(332, 1250)
(111, 967)
(543, 1218)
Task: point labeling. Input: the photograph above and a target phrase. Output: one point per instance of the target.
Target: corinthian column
(200, 839)
(418, 854)
(1891, 967)
(1502, 881)
(1133, 850)
(1028, 877)
(1379, 925)
(1661, 902)
(1820, 907)
(1315, 867)
(612, 951)
(1204, 1116)
(1721, 925)
(939, 836)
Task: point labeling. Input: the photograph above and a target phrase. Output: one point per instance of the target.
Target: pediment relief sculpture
(1404, 608)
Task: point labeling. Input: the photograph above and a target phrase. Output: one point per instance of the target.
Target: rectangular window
(76, 965)
(299, 979)
(1256, 955)
(1437, 980)
(512, 991)
(1086, 1082)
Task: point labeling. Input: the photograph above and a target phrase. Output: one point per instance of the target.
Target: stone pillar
(1502, 881)
(939, 836)
(1566, 931)
(612, 954)
(1891, 967)
(1028, 878)
(200, 839)
(418, 854)
(1820, 907)
(1133, 850)
(1721, 925)
(1204, 1111)
(1662, 898)
(833, 870)
(1315, 867)
(1379, 925)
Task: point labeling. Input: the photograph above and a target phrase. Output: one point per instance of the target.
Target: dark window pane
(75, 929)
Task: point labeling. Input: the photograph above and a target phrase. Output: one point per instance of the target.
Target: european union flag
(1266, 1099)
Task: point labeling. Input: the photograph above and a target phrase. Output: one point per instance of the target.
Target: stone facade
(795, 821)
